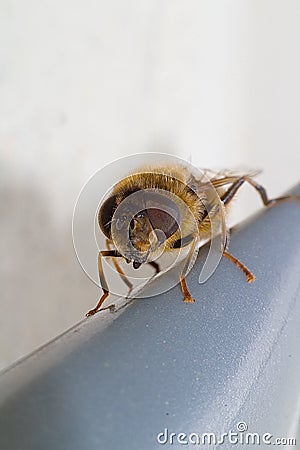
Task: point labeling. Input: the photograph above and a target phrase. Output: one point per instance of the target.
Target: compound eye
(105, 215)
(161, 220)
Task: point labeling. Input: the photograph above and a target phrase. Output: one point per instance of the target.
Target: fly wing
(230, 179)
(222, 177)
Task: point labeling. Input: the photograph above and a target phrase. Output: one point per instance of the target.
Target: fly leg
(187, 298)
(249, 275)
(103, 254)
(227, 197)
(230, 193)
(119, 269)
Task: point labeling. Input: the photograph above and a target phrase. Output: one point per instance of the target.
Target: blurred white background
(85, 82)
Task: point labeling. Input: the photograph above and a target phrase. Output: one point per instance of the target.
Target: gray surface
(116, 380)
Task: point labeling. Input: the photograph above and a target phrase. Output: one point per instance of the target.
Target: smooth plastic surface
(116, 380)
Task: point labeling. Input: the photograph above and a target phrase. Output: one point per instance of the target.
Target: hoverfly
(159, 206)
